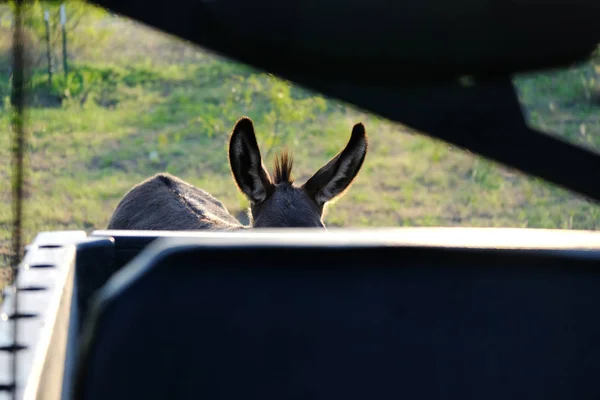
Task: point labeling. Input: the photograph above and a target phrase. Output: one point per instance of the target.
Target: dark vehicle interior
(436, 313)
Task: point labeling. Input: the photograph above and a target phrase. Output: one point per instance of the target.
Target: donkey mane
(284, 162)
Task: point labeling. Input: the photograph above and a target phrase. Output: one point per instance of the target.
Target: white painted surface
(63, 14)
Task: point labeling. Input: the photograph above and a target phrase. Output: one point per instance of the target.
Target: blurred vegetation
(137, 102)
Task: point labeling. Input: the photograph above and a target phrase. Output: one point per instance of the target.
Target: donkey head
(276, 202)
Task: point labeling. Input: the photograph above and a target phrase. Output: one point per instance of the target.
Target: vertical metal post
(48, 47)
(63, 23)
(18, 104)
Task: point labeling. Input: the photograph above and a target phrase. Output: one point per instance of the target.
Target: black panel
(94, 265)
(126, 245)
(381, 42)
(349, 323)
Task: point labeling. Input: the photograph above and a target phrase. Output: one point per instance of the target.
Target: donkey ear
(337, 175)
(246, 163)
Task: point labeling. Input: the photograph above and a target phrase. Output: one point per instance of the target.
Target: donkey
(165, 202)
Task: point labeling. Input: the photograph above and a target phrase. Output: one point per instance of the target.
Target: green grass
(163, 105)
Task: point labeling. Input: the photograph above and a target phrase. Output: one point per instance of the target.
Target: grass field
(140, 102)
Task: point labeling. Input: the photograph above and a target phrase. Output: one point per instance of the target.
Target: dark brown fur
(165, 202)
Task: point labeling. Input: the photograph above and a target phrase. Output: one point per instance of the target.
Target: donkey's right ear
(246, 163)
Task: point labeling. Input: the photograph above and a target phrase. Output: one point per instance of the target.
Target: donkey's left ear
(246, 163)
(337, 175)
